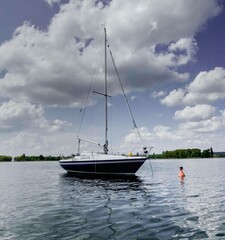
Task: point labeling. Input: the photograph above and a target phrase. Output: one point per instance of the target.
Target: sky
(170, 56)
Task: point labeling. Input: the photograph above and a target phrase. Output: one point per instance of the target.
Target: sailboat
(103, 163)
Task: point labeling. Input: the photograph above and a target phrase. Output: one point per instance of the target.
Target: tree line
(178, 153)
(4, 158)
(24, 158)
(185, 153)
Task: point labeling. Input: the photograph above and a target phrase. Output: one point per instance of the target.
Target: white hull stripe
(75, 162)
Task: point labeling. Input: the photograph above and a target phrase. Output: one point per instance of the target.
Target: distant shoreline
(24, 158)
(190, 153)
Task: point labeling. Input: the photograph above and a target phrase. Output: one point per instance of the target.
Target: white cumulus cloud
(150, 41)
(52, 2)
(212, 124)
(207, 87)
(174, 98)
(53, 67)
(195, 113)
(17, 116)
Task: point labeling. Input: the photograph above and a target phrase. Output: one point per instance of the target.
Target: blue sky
(170, 56)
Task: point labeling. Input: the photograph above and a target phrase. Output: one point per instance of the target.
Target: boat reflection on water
(131, 178)
(113, 183)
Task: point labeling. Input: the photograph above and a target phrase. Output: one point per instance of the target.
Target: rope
(89, 90)
(128, 106)
(125, 98)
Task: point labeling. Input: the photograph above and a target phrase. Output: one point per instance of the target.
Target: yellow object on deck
(130, 154)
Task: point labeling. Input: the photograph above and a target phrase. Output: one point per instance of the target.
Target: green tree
(4, 158)
(41, 157)
(211, 152)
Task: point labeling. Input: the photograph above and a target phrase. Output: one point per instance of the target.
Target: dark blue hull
(118, 167)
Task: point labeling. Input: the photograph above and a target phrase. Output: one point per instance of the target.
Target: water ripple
(40, 201)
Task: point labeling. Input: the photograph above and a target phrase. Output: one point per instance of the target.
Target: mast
(106, 98)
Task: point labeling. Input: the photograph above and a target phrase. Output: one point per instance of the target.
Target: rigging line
(89, 89)
(125, 97)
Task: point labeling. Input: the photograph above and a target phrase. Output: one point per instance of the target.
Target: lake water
(38, 200)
